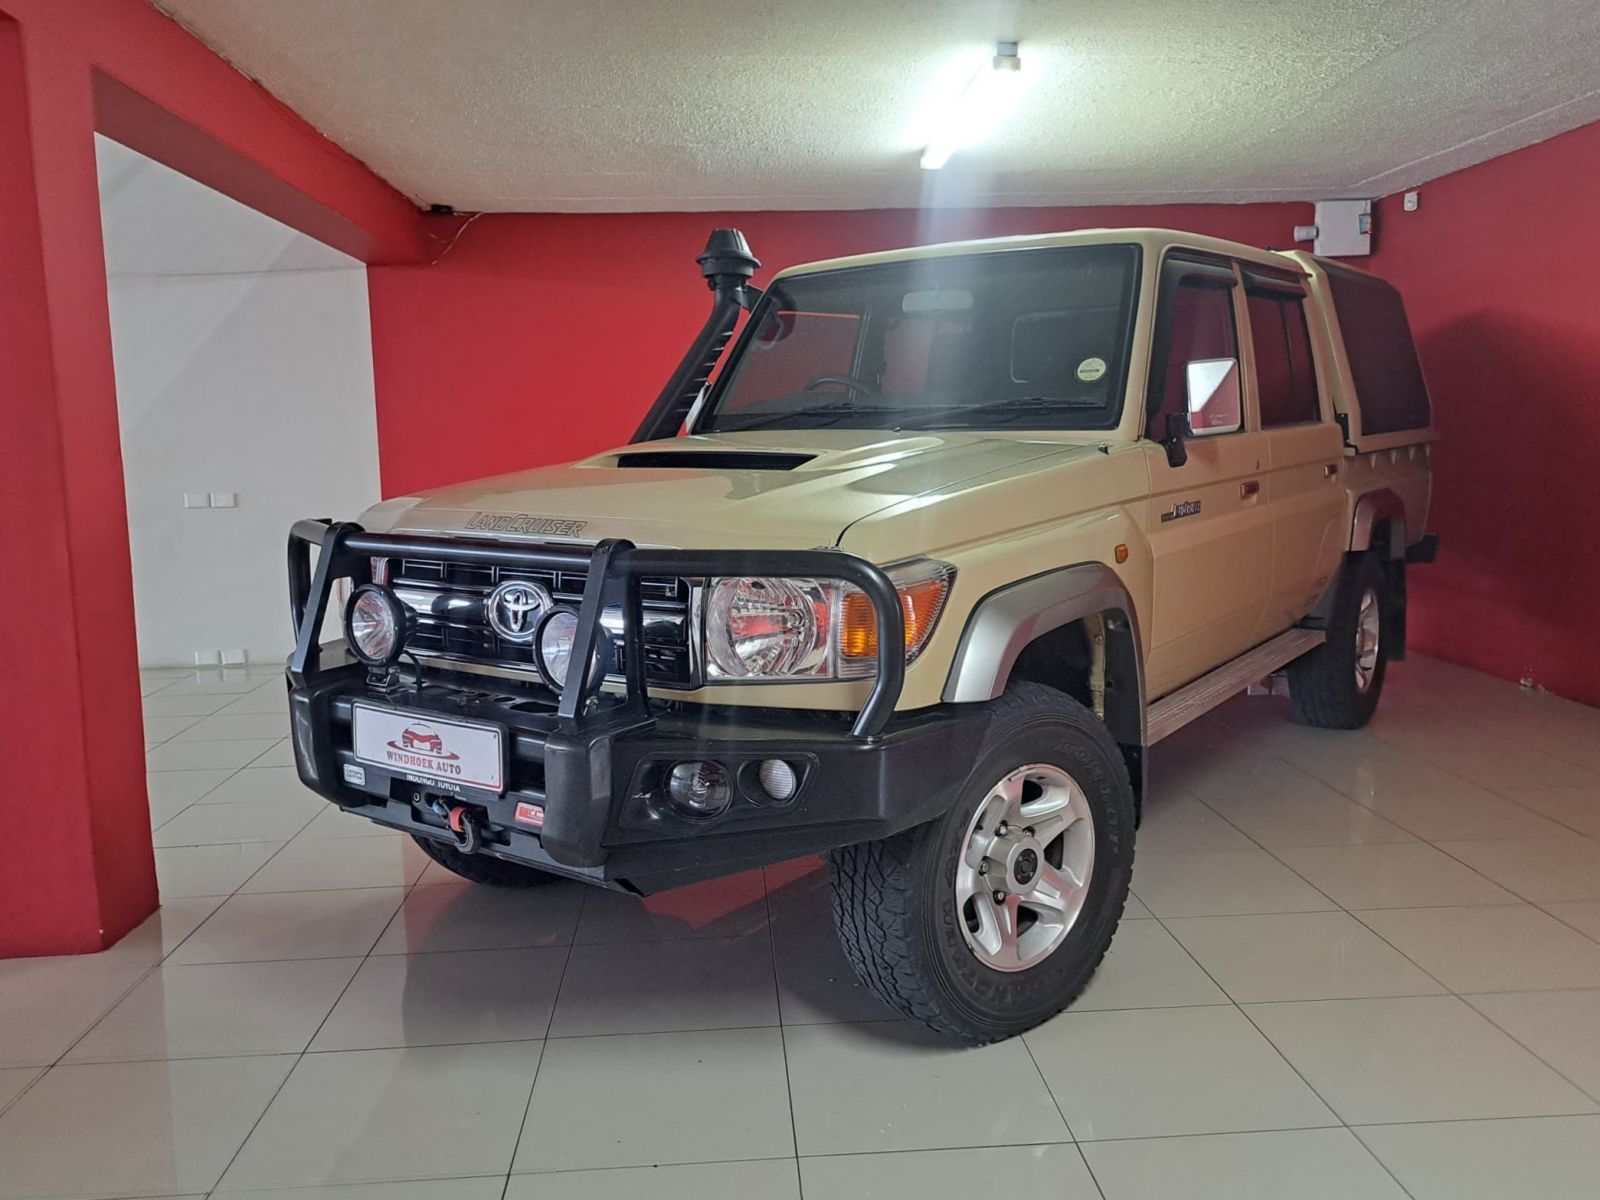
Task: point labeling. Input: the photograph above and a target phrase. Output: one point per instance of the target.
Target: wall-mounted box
(1344, 228)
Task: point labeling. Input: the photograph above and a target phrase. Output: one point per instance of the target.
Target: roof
(1153, 240)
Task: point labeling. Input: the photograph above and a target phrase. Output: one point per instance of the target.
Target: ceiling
(158, 222)
(631, 105)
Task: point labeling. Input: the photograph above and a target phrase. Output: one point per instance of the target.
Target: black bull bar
(613, 570)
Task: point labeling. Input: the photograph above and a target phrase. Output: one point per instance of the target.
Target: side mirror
(1215, 404)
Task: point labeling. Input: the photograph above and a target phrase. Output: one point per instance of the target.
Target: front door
(1209, 523)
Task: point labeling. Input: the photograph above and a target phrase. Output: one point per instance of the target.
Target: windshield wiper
(835, 410)
(1007, 406)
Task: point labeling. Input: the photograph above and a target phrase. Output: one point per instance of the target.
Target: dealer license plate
(424, 748)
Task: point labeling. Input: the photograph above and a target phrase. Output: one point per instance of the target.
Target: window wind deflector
(712, 460)
(1258, 281)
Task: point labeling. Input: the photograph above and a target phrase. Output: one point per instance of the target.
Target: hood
(788, 489)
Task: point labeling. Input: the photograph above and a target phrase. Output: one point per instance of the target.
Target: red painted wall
(1498, 267)
(540, 338)
(70, 684)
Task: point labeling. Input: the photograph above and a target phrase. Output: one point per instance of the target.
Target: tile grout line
(1262, 1034)
(544, 1048)
(783, 1038)
(1592, 1096)
(151, 970)
(1343, 1123)
(1505, 887)
(1065, 1124)
(1355, 915)
(301, 1055)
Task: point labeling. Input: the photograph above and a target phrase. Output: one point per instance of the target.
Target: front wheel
(991, 919)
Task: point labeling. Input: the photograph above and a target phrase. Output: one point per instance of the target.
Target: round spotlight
(556, 634)
(377, 624)
(778, 780)
(699, 789)
(553, 640)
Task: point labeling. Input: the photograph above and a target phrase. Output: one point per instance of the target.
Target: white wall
(244, 364)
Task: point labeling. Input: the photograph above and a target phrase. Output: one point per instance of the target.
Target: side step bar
(1172, 713)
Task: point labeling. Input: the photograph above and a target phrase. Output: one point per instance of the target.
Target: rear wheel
(991, 919)
(481, 868)
(1337, 685)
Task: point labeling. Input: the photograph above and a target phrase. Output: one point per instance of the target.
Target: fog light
(377, 625)
(778, 779)
(699, 789)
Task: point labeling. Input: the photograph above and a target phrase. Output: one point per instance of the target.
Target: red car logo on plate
(419, 739)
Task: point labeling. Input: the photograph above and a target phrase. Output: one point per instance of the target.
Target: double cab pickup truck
(910, 564)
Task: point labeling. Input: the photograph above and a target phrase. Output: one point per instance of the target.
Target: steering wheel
(848, 381)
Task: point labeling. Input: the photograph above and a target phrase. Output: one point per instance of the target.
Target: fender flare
(1009, 618)
(1372, 510)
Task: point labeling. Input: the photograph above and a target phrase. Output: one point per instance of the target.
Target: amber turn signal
(921, 602)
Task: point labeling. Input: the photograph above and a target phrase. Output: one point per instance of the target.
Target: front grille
(451, 622)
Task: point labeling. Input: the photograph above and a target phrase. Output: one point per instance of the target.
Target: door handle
(1331, 471)
(1249, 488)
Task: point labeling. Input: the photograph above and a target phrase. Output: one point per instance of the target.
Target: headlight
(376, 625)
(812, 629)
(768, 628)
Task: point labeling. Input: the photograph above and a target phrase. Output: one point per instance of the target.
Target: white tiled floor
(1358, 965)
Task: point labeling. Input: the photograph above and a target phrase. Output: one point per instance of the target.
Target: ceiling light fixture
(986, 100)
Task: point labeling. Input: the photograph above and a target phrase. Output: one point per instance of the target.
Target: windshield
(1025, 339)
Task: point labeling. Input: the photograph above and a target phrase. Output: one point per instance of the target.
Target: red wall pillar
(76, 867)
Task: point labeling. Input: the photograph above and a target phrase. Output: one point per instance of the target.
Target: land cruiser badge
(526, 523)
(1184, 508)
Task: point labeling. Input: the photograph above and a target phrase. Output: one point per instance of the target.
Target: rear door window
(1286, 376)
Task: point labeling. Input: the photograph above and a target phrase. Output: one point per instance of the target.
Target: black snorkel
(727, 266)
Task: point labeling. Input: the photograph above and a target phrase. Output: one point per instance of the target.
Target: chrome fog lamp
(699, 789)
(553, 641)
(377, 625)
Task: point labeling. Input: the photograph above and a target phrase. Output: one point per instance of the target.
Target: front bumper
(589, 764)
(598, 790)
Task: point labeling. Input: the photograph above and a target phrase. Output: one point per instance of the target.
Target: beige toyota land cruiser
(913, 575)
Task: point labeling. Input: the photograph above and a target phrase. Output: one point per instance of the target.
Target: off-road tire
(894, 900)
(482, 868)
(1322, 683)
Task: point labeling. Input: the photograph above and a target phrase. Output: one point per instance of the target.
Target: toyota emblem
(514, 609)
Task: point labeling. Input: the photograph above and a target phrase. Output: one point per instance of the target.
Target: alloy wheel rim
(1026, 862)
(1368, 627)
